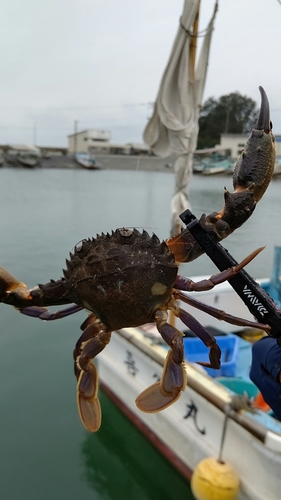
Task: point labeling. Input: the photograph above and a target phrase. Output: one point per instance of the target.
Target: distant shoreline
(108, 162)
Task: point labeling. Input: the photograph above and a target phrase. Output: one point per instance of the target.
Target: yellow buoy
(214, 480)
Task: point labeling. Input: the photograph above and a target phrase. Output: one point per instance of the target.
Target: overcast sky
(100, 62)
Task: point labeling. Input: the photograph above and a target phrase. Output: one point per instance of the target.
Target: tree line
(232, 113)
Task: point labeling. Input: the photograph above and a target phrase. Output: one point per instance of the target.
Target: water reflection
(118, 462)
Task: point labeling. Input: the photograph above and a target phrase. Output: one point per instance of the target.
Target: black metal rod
(255, 298)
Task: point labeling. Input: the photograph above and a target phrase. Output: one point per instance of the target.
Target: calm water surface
(45, 452)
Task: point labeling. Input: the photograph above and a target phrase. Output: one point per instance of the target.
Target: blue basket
(195, 350)
(240, 386)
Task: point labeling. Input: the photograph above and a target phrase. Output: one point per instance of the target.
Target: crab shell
(122, 278)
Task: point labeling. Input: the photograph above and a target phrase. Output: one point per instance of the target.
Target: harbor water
(45, 451)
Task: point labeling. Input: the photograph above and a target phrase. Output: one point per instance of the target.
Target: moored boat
(210, 161)
(22, 154)
(87, 161)
(192, 428)
(217, 167)
(28, 160)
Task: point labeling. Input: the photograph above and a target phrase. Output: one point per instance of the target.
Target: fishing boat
(29, 160)
(87, 161)
(212, 161)
(22, 154)
(192, 428)
(217, 166)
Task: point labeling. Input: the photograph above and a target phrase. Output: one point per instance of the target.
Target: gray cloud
(100, 62)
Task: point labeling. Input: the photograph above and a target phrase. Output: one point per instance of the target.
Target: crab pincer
(251, 177)
(253, 171)
(255, 166)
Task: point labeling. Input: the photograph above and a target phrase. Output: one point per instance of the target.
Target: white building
(236, 142)
(87, 140)
(98, 141)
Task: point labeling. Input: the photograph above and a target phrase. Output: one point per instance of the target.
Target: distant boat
(217, 167)
(87, 161)
(28, 160)
(212, 161)
(23, 154)
(197, 167)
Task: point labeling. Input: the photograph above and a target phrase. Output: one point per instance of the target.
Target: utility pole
(227, 119)
(75, 135)
(34, 133)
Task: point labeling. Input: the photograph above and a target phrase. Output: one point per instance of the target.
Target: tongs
(255, 298)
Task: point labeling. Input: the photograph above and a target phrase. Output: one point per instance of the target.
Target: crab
(128, 278)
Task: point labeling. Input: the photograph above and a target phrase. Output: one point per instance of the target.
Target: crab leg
(220, 314)
(15, 292)
(92, 341)
(162, 394)
(206, 337)
(46, 315)
(251, 177)
(187, 285)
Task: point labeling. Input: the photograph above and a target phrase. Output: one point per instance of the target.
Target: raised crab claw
(129, 278)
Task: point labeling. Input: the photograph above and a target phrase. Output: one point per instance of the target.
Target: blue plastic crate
(195, 350)
(240, 386)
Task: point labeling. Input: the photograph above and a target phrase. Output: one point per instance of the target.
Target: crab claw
(255, 166)
(162, 394)
(252, 174)
(253, 171)
(251, 177)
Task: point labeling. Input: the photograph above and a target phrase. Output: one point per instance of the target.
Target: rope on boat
(238, 402)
